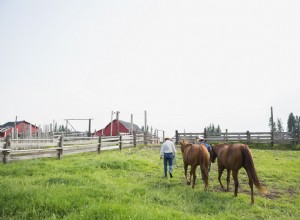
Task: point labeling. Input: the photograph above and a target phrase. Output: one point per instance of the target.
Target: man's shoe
(171, 175)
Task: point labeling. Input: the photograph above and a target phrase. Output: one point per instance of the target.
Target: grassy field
(128, 184)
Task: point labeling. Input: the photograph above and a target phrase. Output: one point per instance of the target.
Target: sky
(186, 63)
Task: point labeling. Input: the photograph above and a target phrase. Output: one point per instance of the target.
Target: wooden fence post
(177, 137)
(6, 149)
(134, 139)
(248, 137)
(145, 138)
(226, 135)
(120, 142)
(99, 144)
(272, 128)
(60, 145)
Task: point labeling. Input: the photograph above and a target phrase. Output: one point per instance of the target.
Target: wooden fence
(20, 149)
(247, 137)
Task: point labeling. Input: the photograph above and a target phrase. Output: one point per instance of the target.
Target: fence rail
(248, 137)
(20, 149)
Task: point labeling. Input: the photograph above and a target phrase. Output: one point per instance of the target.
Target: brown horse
(233, 157)
(194, 155)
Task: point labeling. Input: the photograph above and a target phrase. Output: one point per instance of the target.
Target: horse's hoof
(188, 183)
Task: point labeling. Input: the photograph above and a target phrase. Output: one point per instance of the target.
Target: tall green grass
(128, 184)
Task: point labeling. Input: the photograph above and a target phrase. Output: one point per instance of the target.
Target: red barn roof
(124, 127)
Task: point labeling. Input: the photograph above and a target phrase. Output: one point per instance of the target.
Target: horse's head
(213, 154)
(183, 143)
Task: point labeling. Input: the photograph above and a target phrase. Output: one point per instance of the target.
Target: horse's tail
(205, 165)
(249, 165)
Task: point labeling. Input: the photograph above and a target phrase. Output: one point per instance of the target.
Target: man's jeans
(168, 158)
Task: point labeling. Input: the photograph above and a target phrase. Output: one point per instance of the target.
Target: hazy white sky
(188, 63)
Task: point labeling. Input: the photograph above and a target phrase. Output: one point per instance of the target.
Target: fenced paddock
(20, 149)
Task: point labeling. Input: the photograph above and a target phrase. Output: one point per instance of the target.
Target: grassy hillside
(128, 184)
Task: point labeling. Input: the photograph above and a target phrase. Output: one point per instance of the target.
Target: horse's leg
(193, 172)
(220, 171)
(185, 174)
(228, 179)
(251, 186)
(236, 181)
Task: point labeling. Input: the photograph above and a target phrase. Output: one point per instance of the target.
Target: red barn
(124, 127)
(22, 127)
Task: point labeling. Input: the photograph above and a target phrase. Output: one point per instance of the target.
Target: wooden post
(99, 144)
(226, 135)
(134, 139)
(66, 131)
(111, 123)
(145, 138)
(272, 128)
(6, 149)
(131, 121)
(51, 131)
(248, 137)
(90, 122)
(120, 142)
(30, 131)
(163, 136)
(177, 137)
(15, 127)
(60, 145)
(205, 133)
(117, 125)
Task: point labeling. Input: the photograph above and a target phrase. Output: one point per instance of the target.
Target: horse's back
(232, 156)
(195, 153)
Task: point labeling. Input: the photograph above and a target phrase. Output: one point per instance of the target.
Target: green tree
(212, 130)
(291, 123)
(279, 125)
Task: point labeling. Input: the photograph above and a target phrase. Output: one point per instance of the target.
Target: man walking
(168, 152)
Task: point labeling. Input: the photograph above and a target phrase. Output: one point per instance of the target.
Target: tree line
(292, 124)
